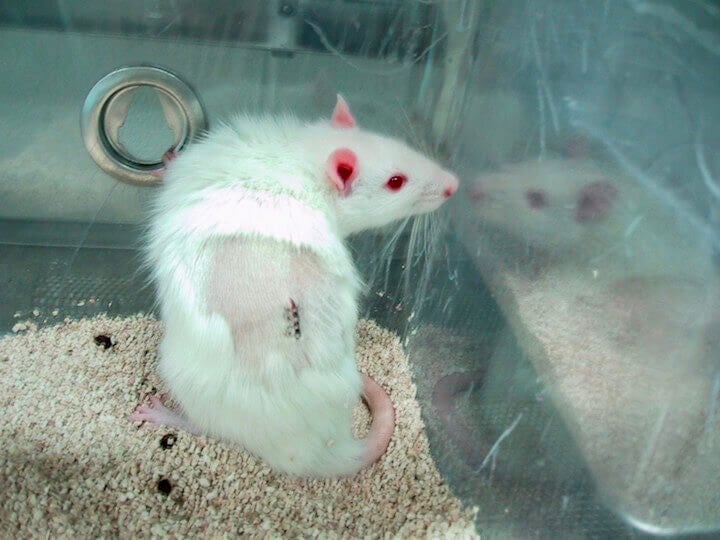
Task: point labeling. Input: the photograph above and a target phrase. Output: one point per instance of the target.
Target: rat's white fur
(247, 221)
(637, 235)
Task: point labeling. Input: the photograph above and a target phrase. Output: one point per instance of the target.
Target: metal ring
(94, 123)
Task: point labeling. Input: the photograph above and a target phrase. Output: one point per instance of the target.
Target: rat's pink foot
(158, 414)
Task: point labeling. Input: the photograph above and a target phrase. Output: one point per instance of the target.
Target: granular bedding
(72, 465)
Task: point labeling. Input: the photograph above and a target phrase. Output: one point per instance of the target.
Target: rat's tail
(383, 420)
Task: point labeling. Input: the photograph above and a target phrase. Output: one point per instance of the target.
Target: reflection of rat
(579, 211)
(258, 291)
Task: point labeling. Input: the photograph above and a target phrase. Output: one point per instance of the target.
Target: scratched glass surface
(561, 311)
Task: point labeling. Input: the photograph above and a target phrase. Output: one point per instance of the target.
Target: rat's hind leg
(158, 414)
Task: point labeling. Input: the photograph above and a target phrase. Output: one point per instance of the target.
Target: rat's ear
(341, 168)
(595, 201)
(342, 116)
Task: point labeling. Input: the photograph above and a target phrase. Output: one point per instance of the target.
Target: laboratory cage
(561, 313)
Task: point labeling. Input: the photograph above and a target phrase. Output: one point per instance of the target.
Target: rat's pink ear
(595, 201)
(342, 116)
(342, 169)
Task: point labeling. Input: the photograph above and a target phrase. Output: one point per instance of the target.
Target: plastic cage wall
(561, 313)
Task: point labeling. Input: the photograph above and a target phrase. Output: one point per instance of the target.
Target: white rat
(258, 292)
(580, 212)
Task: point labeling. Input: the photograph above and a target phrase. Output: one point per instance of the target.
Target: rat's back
(263, 357)
(247, 149)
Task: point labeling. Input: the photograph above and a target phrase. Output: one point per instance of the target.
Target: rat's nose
(451, 185)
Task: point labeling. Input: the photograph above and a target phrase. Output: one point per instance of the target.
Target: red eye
(344, 171)
(396, 182)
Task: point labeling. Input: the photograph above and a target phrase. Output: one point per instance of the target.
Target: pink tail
(383, 420)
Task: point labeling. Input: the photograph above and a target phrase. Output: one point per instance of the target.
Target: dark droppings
(103, 341)
(164, 486)
(168, 441)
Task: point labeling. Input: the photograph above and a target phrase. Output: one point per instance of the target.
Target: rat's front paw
(167, 158)
(169, 155)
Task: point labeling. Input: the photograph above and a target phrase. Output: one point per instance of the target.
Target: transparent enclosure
(561, 313)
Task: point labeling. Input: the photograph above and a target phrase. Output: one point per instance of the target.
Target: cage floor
(47, 284)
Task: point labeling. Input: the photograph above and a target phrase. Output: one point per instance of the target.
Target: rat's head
(375, 179)
(552, 202)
